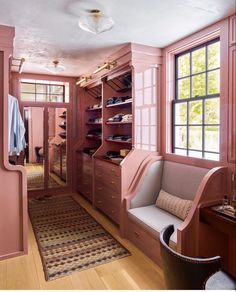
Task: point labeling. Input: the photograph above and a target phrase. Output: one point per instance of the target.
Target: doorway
(46, 151)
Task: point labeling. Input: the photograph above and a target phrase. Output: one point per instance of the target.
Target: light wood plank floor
(133, 272)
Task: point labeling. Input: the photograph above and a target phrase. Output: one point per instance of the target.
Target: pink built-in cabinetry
(106, 183)
(136, 76)
(13, 192)
(232, 91)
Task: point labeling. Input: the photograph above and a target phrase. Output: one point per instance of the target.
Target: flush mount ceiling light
(96, 22)
(55, 67)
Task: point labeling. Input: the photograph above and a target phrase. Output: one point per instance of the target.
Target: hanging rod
(20, 63)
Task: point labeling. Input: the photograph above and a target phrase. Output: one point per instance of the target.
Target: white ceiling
(48, 29)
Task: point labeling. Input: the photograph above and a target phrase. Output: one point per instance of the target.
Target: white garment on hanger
(16, 128)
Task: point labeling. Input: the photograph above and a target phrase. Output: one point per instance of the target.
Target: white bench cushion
(154, 220)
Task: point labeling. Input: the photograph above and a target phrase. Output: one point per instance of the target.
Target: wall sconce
(83, 79)
(107, 65)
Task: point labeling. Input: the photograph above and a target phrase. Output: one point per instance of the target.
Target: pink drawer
(108, 183)
(85, 190)
(145, 241)
(105, 168)
(109, 206)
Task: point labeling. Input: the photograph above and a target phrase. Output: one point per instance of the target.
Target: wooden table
(227, 226)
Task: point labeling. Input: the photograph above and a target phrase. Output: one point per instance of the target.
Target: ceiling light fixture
(96, 22)
(55, 67)
(83, 79)
(108, 65)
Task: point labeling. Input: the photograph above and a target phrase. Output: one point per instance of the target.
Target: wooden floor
(132, 272)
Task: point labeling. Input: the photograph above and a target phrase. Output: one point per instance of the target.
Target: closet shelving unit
(105, 177)
(108, 171)
(90, 108)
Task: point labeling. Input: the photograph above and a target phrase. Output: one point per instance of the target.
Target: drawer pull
(113, 197)
(113, 211)
(99, 175)
(87, 193)
(99, 202)
(99, 189)
(136, 233)
(112, 182)
(112, 169)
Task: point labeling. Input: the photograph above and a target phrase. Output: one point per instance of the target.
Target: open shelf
(119, 123)
(62, 126)
(119, 141)
(93, 123)
(93, 109)
(94, 138)
(120, 104)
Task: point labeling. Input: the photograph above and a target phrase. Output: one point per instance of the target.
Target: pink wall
(13, 192)
(220, 29)
(36, 131)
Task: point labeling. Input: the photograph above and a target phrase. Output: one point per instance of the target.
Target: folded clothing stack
(95, 120)
(118, 99)
(116, 118)
(127, 118)
(126, 138)
(89, 150)
(95, 106)
(95, 133)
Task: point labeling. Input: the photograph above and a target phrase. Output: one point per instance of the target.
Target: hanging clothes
(16, 128)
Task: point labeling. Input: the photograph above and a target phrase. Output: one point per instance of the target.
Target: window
(196, 107)
(44, 91)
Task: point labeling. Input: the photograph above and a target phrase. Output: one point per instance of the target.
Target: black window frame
(176, 100)
(47, 94)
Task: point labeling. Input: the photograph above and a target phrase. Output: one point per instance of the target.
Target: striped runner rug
(69, 239)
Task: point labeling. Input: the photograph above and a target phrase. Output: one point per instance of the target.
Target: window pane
(181, 113)
(184, 88)
(195, 154)
(199, 60)
(195, 137)
(212, 138)
(212, 111)
(180, 152)
(41, 88)
(214, 82)
(56, 89)
(199, 85)
(195, 112)
(180, 137)
(27, 87)
(56, 98)
(184, 65)
(214, 56)
(28, 96)
(41, 97)
(212, 156)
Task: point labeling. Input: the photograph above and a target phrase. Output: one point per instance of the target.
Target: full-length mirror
(57, 134)
(34, 153)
